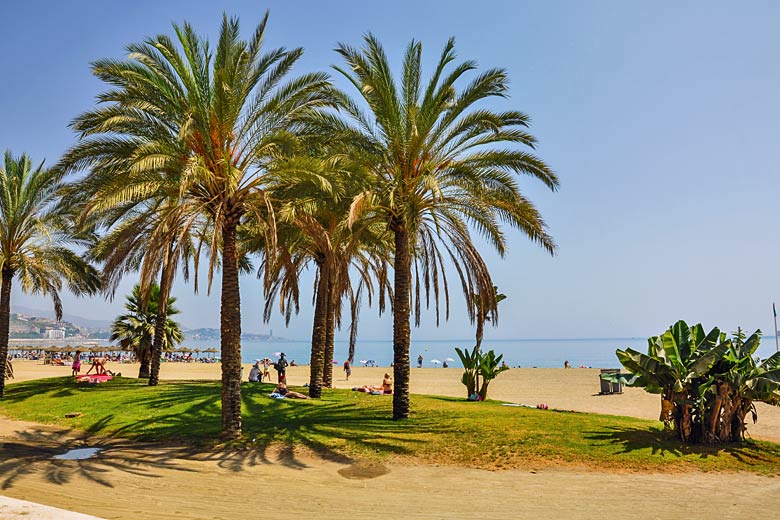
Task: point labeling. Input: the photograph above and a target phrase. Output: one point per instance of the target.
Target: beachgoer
(282, 389)
(281, 368)
(77, 363)
(566, 364)
(99, 365)
(504, 365)
(293, 364)
(445, 365)
(254, 374)
(347, 369)
(419, 361)
(266, 371)
(386, 388)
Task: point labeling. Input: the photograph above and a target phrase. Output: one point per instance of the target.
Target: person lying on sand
(386, 388)
(282, 389)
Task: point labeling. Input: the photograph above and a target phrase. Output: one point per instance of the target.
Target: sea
(540, 353)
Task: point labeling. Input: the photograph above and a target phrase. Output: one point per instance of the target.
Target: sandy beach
(140, 481)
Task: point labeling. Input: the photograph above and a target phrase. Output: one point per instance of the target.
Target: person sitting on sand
(282, 389)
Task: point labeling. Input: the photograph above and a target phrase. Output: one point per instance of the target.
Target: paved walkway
(12, 509)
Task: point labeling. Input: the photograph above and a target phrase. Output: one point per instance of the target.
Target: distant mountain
(76, 320)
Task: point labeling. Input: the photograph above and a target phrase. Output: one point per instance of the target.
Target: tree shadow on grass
(186, 415)
(665, 445)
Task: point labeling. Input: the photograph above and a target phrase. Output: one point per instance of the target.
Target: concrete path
(12, 509)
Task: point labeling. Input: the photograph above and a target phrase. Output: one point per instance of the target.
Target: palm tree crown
(442, 167)
(35, 240)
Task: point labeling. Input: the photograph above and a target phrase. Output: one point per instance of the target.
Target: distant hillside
(92, 325)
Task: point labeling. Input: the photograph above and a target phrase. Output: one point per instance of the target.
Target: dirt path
(132, 481)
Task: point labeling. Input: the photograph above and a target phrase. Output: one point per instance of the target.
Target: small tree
(475, 364)
(708, 383)
(136, 328)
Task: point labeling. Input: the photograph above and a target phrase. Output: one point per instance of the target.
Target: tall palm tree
(137, 328)
(35, 242)
(442, 166)
(232, 114)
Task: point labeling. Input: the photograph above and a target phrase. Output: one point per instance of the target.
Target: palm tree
(441, 167)
(154, 240)
(137, 328)
(482, 315)
(34, 242)
(232, 114)
(314, 198)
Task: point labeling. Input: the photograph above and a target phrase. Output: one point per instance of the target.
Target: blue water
(543, 353)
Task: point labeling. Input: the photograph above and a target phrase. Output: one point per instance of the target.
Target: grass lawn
(442, 430)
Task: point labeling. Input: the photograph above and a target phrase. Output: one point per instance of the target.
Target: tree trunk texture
(230, 333)
(330, 324)
(143, 369)
(5, 316)
(318, 334)
(159, 324)
(401, 326)
(480, 332)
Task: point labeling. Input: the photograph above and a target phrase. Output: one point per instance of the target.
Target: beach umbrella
(435, 361)
(449, 360)
(277, 354)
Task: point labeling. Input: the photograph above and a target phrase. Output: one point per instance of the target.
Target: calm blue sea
(543, 353)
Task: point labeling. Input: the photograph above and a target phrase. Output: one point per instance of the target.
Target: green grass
(349, 425)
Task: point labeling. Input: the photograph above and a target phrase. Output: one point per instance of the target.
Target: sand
(129, 480)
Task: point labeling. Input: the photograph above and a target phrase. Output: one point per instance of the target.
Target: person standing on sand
(281, 368)
(419, 361)
(347, 369)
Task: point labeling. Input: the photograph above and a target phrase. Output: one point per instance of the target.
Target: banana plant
(470, 362)
(674, 364)
(489, 368)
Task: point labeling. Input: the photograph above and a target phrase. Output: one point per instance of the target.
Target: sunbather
(386, 388)
(282, 389)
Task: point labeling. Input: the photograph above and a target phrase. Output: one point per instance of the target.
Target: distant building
(54, 334)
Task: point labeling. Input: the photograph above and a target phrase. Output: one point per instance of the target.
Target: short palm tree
(232, 113)
(442, 166)
(35, 241)
(135, 330)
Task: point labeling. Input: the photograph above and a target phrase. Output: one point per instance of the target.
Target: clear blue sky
(662, 120)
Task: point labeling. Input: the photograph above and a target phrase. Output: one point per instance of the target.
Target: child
(76, 363)
(347, 369)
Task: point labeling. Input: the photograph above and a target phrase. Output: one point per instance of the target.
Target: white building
(55, 334)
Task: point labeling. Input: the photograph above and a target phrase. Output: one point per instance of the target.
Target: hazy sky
(662, 120)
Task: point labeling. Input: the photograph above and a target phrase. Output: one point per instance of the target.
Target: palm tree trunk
(143, 369)
(480, 332)
(162, 317)
(330, 323)
(230, 332)
(5, 316)
(401, 312)
(318, 334)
